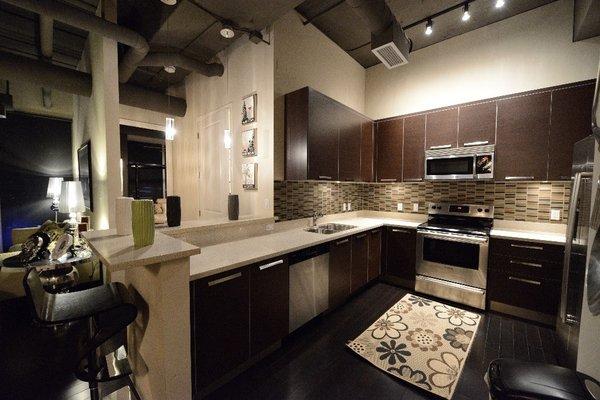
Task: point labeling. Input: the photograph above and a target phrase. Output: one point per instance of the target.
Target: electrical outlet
(349, 206)
(415, 207)
(555, 215)
(400, 207)
(343, 206)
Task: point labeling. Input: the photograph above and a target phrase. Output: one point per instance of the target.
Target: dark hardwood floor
(315, 363)
(312, 363)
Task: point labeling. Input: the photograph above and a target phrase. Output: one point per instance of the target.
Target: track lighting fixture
(429, 27)
(500, 3)
(170, 69)
(466, 15)
(169, 2)
(227, 31)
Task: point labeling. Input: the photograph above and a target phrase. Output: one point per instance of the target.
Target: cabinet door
(220, 325)
(350, 126)
(414, 148)
(477, 124)
(296, 131)
(323, 137)
(269, 303)
(401, 255)
(570, 122)
(442, 129)
(367, 150)
(360, 261)
(374, 254)
(389, 139)
(522, 137)
(340, 264)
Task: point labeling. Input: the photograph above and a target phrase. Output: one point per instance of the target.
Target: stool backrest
(40, 299)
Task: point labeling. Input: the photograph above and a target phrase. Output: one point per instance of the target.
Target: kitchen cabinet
(522, 137)
(400, 255)
(269, 303)
(441, 130)
(220, 325)
(360, 261)
(569, 123)
(374, 254)
(477, 124)
(367, 152)
(414, 148)
(324, 139)
(390, 140)
(340, 270)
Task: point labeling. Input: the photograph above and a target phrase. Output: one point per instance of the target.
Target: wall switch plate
(400, 207)
(343, 206)
(349, 206)
(555, 215)
(415, 207)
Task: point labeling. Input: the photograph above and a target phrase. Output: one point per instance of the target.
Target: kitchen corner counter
(550, 233)
(118, 252)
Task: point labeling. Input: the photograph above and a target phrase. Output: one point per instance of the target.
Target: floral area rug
(420, 341)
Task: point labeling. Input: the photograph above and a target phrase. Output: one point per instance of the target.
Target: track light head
(429, 27)
(500, 3)
(466, 14)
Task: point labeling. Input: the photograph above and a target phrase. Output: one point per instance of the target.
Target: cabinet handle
(388, 180)
(536, 283)
(519, 178)
(324, 177)
(400, 231)
(269, 265)
(224, 279)
(476, 143)
(342, 242)
(361, 236)
(413, 180)
(526, 246)
(528, 264)
(441, 146)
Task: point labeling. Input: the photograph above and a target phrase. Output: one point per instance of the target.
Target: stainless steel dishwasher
(309, 284)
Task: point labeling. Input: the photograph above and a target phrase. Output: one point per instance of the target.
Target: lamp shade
(54, 187)
(71, 198)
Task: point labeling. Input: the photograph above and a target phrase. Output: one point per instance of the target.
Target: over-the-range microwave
(468, 163)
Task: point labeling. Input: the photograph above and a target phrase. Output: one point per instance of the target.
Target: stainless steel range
(452, 252)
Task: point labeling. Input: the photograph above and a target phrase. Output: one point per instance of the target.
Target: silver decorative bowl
(59, 278)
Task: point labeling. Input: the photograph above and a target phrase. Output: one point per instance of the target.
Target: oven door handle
(454, 238)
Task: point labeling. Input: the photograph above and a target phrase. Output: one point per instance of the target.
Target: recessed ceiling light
(429, 27)
(500, 3)
(227, 31)
(170, 69)
(466, 15)
(169, 2)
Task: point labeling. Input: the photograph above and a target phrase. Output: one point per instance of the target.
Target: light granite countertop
(118, 252)
(227, 256)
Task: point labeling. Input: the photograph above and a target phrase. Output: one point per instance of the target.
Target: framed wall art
(249, 172)
(249, 109)
(249, 143)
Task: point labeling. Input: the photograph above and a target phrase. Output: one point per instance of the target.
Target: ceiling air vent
(392, 46)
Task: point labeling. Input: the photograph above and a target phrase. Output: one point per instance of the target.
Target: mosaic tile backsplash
(516, 201)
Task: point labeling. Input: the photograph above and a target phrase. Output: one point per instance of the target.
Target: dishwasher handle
(306, 254)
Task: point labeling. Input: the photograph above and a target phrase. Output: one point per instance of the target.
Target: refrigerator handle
(571, 227)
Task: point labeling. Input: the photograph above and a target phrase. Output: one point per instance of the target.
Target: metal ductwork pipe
(376, 14)
(47, 48)
(88, 22)
(19, 68)
(181, 61)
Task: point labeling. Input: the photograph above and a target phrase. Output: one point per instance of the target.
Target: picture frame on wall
(84, 161)
(249, 173)
(249, 109)
(249, 143)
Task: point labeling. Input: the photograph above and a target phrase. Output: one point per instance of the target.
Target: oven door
(450, 167)
(453, 257)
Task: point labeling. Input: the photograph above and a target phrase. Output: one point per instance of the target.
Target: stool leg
(92, 365)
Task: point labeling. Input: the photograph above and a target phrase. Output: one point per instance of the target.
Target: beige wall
(27, 98)
(304, 56)
(248, 69)
(530, 51)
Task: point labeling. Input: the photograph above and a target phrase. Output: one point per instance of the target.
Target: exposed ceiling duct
(47, 49)
(388, 41)
(13, 67)
(181, 61)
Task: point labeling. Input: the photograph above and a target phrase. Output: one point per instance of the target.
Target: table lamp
(71, 200)
(53, 192)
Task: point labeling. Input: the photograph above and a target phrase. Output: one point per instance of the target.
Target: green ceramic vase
(142, 222)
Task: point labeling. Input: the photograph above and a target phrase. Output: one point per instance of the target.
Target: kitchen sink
(328, 229)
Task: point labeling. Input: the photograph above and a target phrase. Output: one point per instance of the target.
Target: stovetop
(460, 218)
(457, 227)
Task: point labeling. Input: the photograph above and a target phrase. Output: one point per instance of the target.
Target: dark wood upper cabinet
(360, 261)
(367, 151)
(374, 254)
(340, 270)
(522, 137)
(323, 137)
(350, 141)
(569, 123)
(389, 139)
(401, 255)
(414, 151)
(296, 135)
(269, 303)
(442, 129)
(477, 124)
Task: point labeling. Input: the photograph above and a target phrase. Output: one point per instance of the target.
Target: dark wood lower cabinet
(374, 254)
(340, 270)
(220, 325)
(401, 255)
(269, 303)
(360, 261)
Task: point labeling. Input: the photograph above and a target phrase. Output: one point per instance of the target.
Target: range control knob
(487, 210)
(479, 209)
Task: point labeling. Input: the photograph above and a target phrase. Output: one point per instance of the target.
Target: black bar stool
(108, 311)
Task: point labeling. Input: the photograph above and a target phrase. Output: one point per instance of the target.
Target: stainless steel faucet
(315, 217)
